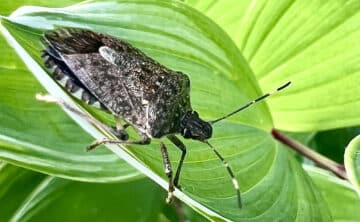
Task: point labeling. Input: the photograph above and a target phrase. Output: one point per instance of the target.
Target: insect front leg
(168, 171)
(182, 147)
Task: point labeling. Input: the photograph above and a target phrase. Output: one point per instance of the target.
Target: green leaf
(7, 7)
(352, 161)
(340, 196)
(314, 44)
(273, 185)
(29, 196)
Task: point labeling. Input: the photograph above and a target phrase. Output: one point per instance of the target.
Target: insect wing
(107, 84)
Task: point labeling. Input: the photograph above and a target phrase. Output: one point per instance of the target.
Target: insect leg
(182, 147)
(120, 129)
(121, 134)
(119, 125)
(145, 140)
(168, 171)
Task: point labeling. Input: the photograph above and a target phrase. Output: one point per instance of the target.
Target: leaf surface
(352, 162)
(314, 44)
(221, 79)
(29, 196)
(335, 191)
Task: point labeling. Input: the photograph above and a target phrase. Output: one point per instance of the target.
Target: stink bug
(112, 75)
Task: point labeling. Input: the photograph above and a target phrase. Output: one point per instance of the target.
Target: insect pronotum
(112, 75)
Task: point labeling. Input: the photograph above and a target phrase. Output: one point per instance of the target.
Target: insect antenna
(251, 103)
(231, 173)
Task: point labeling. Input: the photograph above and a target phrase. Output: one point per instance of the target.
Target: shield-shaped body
(127, 83)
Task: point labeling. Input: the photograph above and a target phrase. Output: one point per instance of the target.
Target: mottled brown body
(123, 80)
(110, 74)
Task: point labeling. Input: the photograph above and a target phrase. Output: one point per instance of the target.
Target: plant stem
(322, 161)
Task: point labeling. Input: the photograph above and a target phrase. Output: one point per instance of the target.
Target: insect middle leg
(182, 147)
(168, 171)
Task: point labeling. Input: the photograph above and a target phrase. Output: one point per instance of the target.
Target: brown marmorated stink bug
(112, 75)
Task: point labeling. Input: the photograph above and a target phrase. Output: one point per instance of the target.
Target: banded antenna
(251, 103)
(228, 168)
(231, 173)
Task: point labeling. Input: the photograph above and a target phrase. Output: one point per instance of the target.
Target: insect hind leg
(121, 134)
(180, 145)
(168, 171)
(96, 143)
(118, 131)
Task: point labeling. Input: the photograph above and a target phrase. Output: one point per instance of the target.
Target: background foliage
(264, 45)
